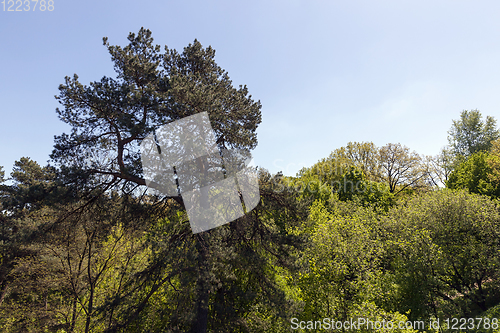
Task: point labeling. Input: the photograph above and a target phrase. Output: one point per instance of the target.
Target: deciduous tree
(446, 250)
(475, 174)
(401, 168)
(471, 134)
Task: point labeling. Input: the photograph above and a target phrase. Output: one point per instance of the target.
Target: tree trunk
(74, 313)
(202, 289)
(92, 283)
(3, 291)
(90, 309)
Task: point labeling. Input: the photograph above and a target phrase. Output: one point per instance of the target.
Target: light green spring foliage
(342, 266)
(361, 155)
(445, 245)
(368, 171)
(479, 173)
(475, 174)
(415, 262)
(493, 312)
(353, 185)
(494, 164)
(308, 187)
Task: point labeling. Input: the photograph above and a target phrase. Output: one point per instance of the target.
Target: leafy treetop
(471, 134)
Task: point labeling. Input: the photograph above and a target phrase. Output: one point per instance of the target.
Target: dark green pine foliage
(32, 186)
(110, 117)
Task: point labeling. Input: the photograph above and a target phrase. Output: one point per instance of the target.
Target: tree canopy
(110, 117)
(471, 134)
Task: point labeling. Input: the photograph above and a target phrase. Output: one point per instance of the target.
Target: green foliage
(340, 262)
(32, 185)
(341, 266)
(444, 249)
(470, 134)
(492, 313)
(64, 253)
(121, 264)
(393, 165)
(354, 186)
(474, 174)
(361, 155)
(494, 164)
(308, 187)
(243, 258)
(109, 118)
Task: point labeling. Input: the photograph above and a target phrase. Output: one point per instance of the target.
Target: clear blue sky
(326, 72)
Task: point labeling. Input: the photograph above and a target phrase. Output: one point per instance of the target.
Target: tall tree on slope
(110, 117)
